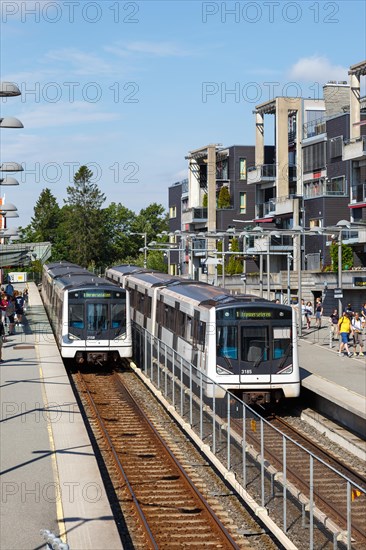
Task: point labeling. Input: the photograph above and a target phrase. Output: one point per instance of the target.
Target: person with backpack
(357, 334)
(10, 313)
(2, 340)
(9, 289)
(19, 308)
(345, 329)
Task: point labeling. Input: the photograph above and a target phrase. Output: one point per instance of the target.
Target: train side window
(281, 342)
(76, 316)
(180, 323)
(227, 342)
(188, 329)
(118, 315)
(201, 333)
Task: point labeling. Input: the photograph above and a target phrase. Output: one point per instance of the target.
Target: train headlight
(73, 337)
(121, 336)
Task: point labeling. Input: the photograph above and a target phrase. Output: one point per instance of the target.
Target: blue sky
(128, 88)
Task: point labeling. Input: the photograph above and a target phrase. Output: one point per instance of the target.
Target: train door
(255, 351)
(97, 322)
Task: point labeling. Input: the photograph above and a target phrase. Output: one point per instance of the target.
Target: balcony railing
(262, 172)
(314, 128)
(266, 208)
(354, 149)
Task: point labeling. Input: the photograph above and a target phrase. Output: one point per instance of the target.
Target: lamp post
(342, 224)
(143, 234)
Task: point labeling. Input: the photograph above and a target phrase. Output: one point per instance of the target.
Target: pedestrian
(349, 310)
(308, 313)
(2, 340)
(345, 329)
(334, 318)
(10, 313)
(303, 312)
(357, 333)
(363, 315)
(9, 289)
(3, 306)
(19, 308)
(318, 313)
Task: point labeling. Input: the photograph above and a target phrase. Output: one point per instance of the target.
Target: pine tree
(44, 223)
(224, 198)
(85, 220)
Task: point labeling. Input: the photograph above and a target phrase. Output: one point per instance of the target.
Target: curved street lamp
(9, 89)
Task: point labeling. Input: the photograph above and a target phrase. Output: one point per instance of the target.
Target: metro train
(246, 344)
(89, 315)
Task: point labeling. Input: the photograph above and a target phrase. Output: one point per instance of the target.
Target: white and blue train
(246, 344)
(89, 315)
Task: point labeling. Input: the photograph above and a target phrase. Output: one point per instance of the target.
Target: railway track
(329, 489)
(330, 494)
(161, 505)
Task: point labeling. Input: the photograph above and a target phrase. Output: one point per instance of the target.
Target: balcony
(314, 128)
(194, 215)
(266, 209)
(261, 173)
(355, 149)
(285, 204)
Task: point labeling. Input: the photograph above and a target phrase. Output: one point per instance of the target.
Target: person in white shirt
(357, 333)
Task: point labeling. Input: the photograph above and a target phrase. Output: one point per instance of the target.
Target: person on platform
(3, 306)
(345, 329)
(363, 315)
(2, 340)
(318, 313)
(10, 313)
(334, 318)
(357, 334)
(308, 313)
(19, 308)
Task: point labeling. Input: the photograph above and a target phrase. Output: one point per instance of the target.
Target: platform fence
(244, 443)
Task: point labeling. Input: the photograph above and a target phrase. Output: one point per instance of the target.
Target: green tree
(84, 220)
(224, 198)
(234, 265)
(44, 223)
(118, 223)
(347, 256)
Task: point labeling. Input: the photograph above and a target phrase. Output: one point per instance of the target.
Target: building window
(314, 157)
(315, 223)
(336, 186)
(243, 203)
(172, 212)
(242, 169)
(336, 147)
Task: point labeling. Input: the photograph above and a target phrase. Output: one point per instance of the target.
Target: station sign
(338, 293)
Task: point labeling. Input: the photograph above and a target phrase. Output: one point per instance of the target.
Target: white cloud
(317, 68)
(65, 114)
(158, 49)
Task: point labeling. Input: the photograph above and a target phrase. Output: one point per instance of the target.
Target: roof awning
(263, 220)
(24, 254)
(358, 205)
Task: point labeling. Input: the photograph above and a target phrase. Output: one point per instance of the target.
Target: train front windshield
(254, 340)
(97, 314)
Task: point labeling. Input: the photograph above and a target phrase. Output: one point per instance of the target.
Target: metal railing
(245, 454)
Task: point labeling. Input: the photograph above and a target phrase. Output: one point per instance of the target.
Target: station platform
(336, 384)
(49, 475)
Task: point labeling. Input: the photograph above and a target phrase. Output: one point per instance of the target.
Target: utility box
(18, 277)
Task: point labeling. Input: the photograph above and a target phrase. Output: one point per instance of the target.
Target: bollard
(330, 338)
